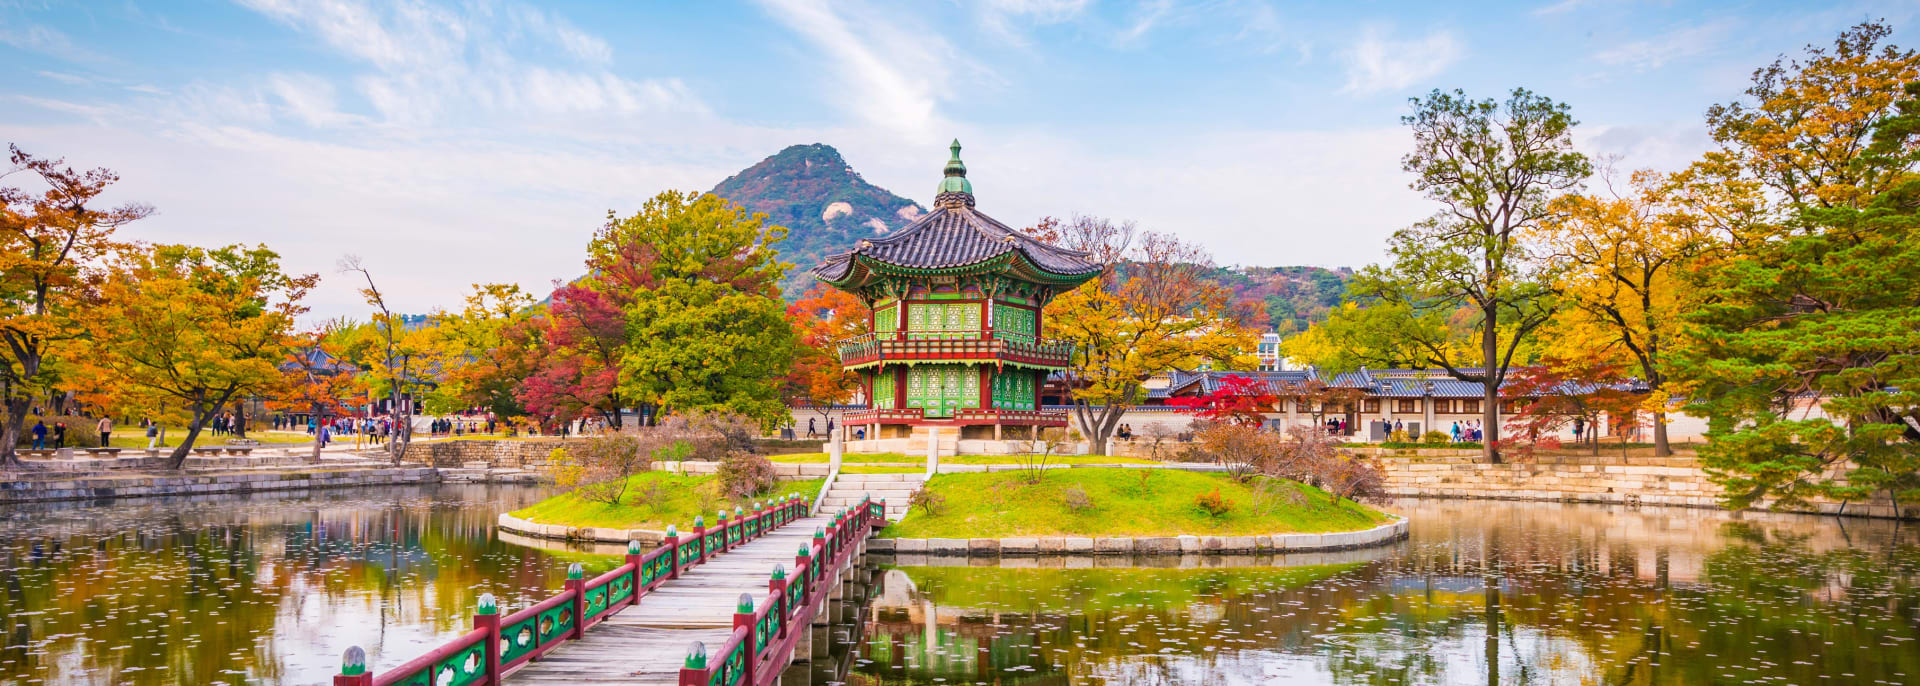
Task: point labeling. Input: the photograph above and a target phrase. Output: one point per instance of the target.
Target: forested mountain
(826, 206)
(822, 201)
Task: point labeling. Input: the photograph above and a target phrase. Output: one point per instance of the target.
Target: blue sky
(449, 142)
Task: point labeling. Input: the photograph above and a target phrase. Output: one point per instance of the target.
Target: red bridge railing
(498, 644)
(763, 636)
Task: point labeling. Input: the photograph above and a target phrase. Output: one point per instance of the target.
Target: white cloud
(47, 41)
(1379, 62)
(308, 98)
(894, 75)
(1677, 44)
(1142, 19)
(1001, 16)
(69, 79)
(1561, 7)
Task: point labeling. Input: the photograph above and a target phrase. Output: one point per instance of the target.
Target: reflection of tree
(261, 588)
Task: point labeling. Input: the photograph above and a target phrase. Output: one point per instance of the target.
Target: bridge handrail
(762, 635)
(480, 656)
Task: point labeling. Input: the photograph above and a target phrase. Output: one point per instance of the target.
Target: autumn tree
(1560, 391)
(706, 329)
(1826, 314)
(194, 328)
(576, 372)
(392, 352)
(316, 379)
(1805, 123)
(1464, 290)
(1618, 261)
(1237, 399)
(821, 318)
(52, 238)
(1150, 310)
(473, 352)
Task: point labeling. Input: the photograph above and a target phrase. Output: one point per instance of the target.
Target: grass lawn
(1029, 591)
(897, 458)
(136, 438)
(654, 500)
(880, 469)
(1001, 504)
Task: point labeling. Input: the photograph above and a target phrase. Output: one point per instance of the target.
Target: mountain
(1290, 298)
(822, 201)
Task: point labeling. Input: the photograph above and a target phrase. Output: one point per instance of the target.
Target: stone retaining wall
(1148, 545)
(498, 454)
(1675, 481)
(148, 485)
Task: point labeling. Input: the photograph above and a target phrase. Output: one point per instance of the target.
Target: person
(106, 429)
(39, 435)
(1397, 426)
(860, 434)
(829, 426)
(811, 431)
(59, 434)
(323, 437)
(1456, 432)
(1578, 425)
(153, 435)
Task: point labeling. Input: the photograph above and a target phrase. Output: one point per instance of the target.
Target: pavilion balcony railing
(499, 644)
(955, 345)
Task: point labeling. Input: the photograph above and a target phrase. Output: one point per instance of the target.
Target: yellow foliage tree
(186, 330)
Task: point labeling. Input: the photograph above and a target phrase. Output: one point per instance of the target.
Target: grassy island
(921, 459)
(653, 500)
(1099, 501)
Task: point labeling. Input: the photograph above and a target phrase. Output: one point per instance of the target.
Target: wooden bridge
(721, 606)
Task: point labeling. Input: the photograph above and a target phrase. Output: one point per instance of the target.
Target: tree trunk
(10, 435)
(1099, 425)
(178, 460)
(240, 419)
(1490, 388)
(1661, 448)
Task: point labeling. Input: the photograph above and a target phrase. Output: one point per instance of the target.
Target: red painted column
(577, 585)
(488, 617)
(639, 577)
(777, 587)
(672, 543)
(746, 620)
(699, 539)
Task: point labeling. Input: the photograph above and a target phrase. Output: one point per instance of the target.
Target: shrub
(1270, 495)
(1076, 499)
(1399, 436)
(744, 475)
(1354, 479)
(1242, 450)
(1212, 503)
(80, 431)
(1146, 483)
(1435, 438)
(927, 502)
(596, 469)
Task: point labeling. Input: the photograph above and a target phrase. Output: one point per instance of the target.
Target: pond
(1483, 592)
(270, 588)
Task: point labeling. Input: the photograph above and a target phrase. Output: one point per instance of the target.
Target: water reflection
(1482, 593)
(268, 588)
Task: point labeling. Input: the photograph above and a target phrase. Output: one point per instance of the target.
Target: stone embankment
(18, 489)
(1672, 481)
(1143, 545)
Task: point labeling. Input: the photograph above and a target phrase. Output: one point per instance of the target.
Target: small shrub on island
(1076, 499)
(1435, 438)
(597, 468)
(927, 502)
(1214, 504)
(745, 475)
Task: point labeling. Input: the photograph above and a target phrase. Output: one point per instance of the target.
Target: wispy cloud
(1379, 62)
(1655, 52)
(1144, 17)
(1004, 19)
(47, 41)
(431, 62)
(1561, 7)
(894, 76)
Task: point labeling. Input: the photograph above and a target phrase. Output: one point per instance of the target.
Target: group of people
(460, 426)
(227, 423)
(58, 431)
(1471, 432)
(1338, 426)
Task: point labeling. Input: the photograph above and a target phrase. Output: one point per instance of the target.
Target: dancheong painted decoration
(957, 300)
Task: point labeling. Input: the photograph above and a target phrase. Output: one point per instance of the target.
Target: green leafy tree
(1827, 316)
(706, 329)
(1464, 292)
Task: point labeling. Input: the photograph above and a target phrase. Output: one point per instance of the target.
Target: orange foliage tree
(316, 379)
(50, 239)
(821, 318)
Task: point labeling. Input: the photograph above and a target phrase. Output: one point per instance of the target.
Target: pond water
(270, 588)
(1482, 593)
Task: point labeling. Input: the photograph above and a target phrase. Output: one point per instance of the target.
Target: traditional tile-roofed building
(957, 334)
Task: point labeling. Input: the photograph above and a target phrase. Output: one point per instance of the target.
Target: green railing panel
(518, 639)
(555, 623)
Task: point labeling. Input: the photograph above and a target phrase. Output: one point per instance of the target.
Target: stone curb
(1145, 545)
(508, 522)
(108, 486)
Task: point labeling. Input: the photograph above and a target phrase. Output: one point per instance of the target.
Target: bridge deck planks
(647, 643)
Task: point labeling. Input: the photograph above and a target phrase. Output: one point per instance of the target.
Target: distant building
(1269, 353)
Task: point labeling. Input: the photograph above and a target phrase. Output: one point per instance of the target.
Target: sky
(453, 142)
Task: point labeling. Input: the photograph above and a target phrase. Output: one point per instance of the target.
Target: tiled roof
(1379, 383)
(955, 237)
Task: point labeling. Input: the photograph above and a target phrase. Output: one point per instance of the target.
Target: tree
(315, 378)
(474, 353)
(191, 327)
(391, 351)
(1563, 390)
(1806, 123)
(706, 329)
(1464, 290)
(1618, 263)
(50, 244)
(1237, 400)
(1828, 315)
(576, 372)
(1151, 310)
(821, 318)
